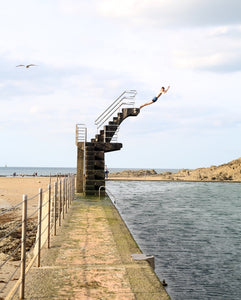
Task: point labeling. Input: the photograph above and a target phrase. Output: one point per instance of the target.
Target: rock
(134, 173)
(10, 243)
(225, 172)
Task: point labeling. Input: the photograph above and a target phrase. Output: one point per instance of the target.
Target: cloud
(226, 32)
(218, 62)
(88, 52)
(73, 7)
(175, 13)
(49, 97)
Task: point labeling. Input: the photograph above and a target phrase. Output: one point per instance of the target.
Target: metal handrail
(114, 137)
(80, 133)
(118, 102)
(107, 190)
(81, 137)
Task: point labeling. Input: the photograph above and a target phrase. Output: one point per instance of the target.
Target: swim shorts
(154, 99)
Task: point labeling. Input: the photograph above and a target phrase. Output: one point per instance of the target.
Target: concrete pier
(90, 258)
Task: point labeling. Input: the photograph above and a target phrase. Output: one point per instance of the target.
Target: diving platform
(91, 155)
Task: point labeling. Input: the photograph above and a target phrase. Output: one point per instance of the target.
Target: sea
(44, 171)
(193, 229)
(40, 171)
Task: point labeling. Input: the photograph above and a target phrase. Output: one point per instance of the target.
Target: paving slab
(90, 258)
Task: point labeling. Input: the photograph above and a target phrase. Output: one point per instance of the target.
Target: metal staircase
(108, 134)
(111, 127)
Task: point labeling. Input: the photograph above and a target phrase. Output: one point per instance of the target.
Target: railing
(81, 137)
(108, 192)
(126, 98)
(113, 132)
(53, 204)
(80, 133)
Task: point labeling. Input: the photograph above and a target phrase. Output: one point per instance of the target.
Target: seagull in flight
(27, 66)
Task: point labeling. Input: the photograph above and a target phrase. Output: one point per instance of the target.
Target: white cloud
(217, 62)
(75, 7)
(232, 32)
(175, 13)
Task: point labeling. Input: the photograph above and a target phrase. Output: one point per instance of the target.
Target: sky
(88, 52)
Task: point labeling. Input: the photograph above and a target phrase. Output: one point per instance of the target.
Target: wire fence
(23, 239)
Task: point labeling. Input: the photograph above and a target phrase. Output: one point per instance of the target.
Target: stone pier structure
(91, 155)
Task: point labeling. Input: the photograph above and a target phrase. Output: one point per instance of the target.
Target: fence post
(55, 206)
(23, 247)
(68, 190)
(63, 199)
(60, 202)
(66, 199)
(49, 220)
(73, 184)
(40, 224)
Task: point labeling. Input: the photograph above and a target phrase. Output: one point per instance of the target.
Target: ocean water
(41, 171)
(194, 231)
(44, 171)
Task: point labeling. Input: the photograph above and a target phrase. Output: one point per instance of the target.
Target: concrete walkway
(90, 258)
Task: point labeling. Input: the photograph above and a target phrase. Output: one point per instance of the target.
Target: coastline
(167, 180)
(230, 172)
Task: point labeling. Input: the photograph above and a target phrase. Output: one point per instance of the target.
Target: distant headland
(230, 172)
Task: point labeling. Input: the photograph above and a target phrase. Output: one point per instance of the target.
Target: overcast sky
(89, 52)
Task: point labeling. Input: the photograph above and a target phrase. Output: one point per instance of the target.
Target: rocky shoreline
(229, 172)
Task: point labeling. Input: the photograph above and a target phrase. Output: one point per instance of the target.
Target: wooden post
(40, 225)
(63, 198)
(23, 247)
(68, 191)
(66, 199)
(55, 206)
(49, 216)
(60, 203)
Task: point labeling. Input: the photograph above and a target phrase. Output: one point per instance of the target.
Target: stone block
(144, 257)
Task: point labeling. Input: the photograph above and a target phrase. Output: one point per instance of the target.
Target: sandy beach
(12, 189)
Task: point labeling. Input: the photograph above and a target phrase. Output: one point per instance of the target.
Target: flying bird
(27, 66)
